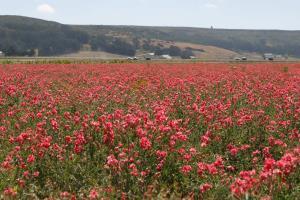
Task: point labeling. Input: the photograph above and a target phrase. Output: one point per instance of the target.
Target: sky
(234, 14)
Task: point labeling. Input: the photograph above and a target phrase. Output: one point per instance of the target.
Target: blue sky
(252, 14)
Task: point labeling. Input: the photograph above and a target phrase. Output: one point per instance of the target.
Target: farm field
(150, 131)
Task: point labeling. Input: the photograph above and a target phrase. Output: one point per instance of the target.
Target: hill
(20, 35)
(259, 41)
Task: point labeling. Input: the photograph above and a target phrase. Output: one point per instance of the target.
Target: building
(1, 54)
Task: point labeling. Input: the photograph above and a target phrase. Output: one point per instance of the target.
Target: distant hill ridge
(20, 35)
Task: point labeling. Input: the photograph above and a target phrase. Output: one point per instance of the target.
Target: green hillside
(19, 35)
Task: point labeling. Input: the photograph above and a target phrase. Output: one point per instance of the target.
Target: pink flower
(64, 195)
(180, 136)
(93, 194)
(36, 174)
(161, 154)
(187, 157)
(234, 151)
(30, 158)
(145, 143)
(68, 139)
(10, 192)
(26, 174)
(141, 133)
(112, 161)
(39, 115)
(193, 151)
(54, 124)
(186, 169)
(269, 164)
(205, 187)
(212, 169)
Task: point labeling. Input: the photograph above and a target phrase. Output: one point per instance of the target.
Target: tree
(174, 51)
(186, 54)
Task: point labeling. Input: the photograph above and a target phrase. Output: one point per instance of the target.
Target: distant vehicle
(168, 57)
(269, 56)
(187, 57)
(241, 58)
(149, 56)
(280, 57)
(132, 58)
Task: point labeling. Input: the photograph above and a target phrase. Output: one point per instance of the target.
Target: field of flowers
(150, 131)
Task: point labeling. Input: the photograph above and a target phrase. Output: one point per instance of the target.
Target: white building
(1, 54)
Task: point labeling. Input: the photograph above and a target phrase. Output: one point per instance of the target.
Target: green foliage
(20, 35)
(285, 69)
(112, 45)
